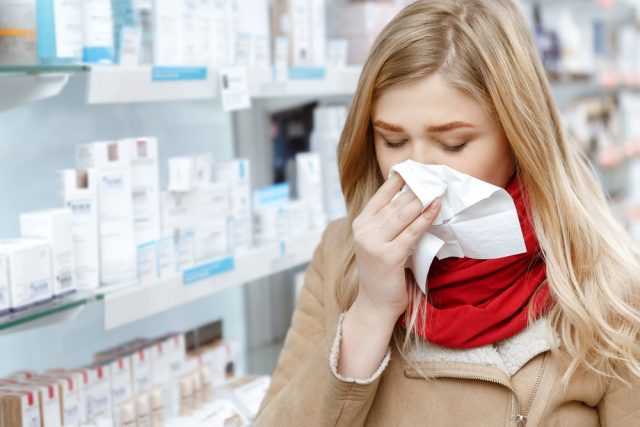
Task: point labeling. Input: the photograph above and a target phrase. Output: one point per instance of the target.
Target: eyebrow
(434, 129)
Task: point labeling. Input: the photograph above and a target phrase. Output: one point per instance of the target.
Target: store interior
(218, 122)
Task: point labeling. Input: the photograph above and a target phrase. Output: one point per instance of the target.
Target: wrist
(373, 317)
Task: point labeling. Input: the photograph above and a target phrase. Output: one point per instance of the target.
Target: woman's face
(433, 123)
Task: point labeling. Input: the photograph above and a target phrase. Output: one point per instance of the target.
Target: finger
(407, 240)
(384, 194)
(397, 216)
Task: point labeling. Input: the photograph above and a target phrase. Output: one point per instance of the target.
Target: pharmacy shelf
(303, 82)
(132, 303)
(115, 84)
(20, 88)
(55, 311)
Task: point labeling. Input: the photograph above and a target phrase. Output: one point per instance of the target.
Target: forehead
(429, 100)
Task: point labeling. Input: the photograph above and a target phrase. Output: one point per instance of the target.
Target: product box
(82, 384)
(4, 285)
(60, 35)
(98, 32)
(271, 220)
(118, 255)
(68, 388)
(236, 174)
(78, 194)
(145, 186)
(50, 405)
(133, 15)
(167, 32)
(54, 226)
(121, 384)
(309, 188)
(29, 266)
(219, 35)
(18, 33)
(178, 222)
(20, 407)
(100, 400)
(166, 256)
(246, 392)
(203, 166)
(182, 174)
(252, 34)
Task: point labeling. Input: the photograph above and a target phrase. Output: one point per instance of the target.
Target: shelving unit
(128, 303)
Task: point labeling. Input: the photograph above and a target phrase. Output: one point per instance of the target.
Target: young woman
(548, 337)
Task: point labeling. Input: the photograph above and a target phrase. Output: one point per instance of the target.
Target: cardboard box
(68, 388)
(54, 226)
(78, 193)
(118, 263)
(29, 266)
(19, 407)
(82, 384)
(100, 391)
(121, 384)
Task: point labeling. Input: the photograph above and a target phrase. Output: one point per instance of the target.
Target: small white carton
(236, 174)
(54, 226)
(121, 384)
(78, 193)
(118, 255)
(29, 266)
(4, 284)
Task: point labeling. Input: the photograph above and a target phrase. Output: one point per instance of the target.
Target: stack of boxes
(178, 379)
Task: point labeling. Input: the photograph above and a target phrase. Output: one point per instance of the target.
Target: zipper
(521, 417)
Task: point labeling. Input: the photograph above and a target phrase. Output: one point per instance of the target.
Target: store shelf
(113, 84)
(54, 311)
(20, 88)
(42, 69)
(125, 305)
(304, 82)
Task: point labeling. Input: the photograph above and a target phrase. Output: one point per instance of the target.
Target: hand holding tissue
(476, 220)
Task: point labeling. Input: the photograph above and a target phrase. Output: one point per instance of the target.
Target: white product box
(100, 402)
(4, 285)
(50, 405)
(211, 207)
(166, 256)
(182, 174)
(271, 221)
(69, 396)
(54, 226)
(121, 384)
(147, 262)
(162, 376)
(145, 187)
(18, 47)
(29, 265)
(80, 385)
(141, 370)
(60, 35)
(236, 174)
(78, 193)
(133, 17)
(253, 32)
(218, 36)
(22, 407)
(203, 165)
(247, 393)
(167, 32)
(178, 222)
(297, 217)
(118, 254)
(98, 32)
(309, 187)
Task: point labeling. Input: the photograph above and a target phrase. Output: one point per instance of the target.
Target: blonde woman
(548, 337)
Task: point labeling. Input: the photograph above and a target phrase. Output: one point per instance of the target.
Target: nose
(423, 152)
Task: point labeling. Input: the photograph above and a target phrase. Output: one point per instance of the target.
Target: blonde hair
(484, 48)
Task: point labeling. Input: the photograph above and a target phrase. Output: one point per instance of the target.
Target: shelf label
(307, 73)
(234, 89)
(205, 271)
(168, 74)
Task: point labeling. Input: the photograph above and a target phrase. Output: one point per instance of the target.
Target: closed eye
(394, 144)
(454, 149)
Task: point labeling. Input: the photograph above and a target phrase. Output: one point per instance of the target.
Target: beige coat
(306, 391)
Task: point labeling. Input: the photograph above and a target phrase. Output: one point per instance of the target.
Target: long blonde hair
(484, 48)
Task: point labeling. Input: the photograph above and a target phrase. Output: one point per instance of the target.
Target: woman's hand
(386, 234)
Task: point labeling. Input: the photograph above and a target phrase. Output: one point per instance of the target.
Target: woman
(548, 337)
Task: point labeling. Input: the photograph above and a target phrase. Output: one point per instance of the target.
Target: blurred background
(219, 120)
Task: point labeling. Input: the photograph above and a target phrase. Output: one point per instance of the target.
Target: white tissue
(476, 220)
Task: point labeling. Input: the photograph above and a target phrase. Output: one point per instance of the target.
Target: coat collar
(508, 355)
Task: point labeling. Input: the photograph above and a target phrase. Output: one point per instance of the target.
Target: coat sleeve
(620, 406)
(305, 390)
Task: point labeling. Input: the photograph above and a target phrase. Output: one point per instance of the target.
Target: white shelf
(125, 305)
(114, 84)
(20, 89)
(334, 81)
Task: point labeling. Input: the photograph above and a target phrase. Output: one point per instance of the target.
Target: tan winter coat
(512, 383)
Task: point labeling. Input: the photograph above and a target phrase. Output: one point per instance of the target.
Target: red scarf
(472, 302)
